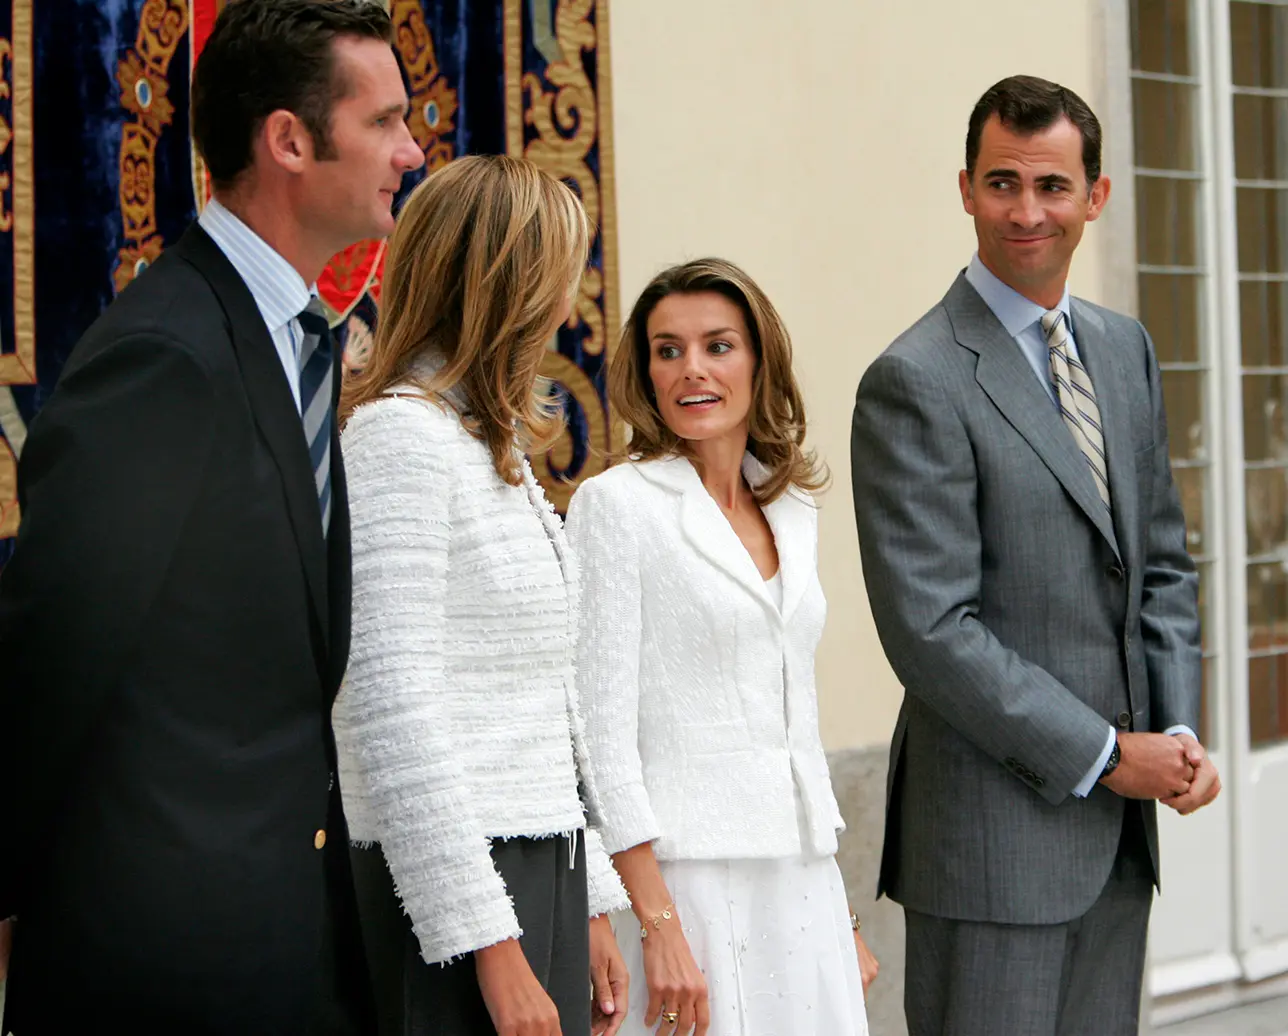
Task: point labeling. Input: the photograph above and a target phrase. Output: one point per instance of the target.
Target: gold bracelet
(656, 921)
(854, 921)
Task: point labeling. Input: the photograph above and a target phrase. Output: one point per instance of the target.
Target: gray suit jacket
(1019, 617)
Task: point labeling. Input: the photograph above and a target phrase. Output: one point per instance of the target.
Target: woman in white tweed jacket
(462, 762)
(702, 612)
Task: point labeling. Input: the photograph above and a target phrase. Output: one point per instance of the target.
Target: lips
(699, 400)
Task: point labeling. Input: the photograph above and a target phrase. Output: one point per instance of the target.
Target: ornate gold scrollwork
(143, 78)
(566, 121)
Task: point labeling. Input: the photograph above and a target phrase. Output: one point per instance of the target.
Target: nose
(695, 365)
(408, 154)
(1027, 211)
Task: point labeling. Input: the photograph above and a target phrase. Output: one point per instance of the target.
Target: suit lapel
(1104, 364)
(1006, 377)
(704, 525)
(273, 407)
(788, 519)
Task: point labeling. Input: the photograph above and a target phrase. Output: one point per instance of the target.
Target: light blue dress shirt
(278, 289)
(1022, 319)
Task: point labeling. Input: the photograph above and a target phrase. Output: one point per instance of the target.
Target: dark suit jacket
(1020, 618)
(173, 629)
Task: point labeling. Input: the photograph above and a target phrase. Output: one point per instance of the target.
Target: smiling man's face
(1031, 201)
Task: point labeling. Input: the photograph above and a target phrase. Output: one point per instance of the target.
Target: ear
(1099, 198)
(968, 193)
(287, 140)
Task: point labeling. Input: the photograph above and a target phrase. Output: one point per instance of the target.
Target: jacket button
(1115, 572)
(1124, 720)
(319, 839)
(1038, 781)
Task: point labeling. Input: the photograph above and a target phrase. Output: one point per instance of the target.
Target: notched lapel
(789, 518)
(1006, 377)
(704, 525)
(273, 407)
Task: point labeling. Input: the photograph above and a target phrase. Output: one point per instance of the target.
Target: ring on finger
(670, 1017)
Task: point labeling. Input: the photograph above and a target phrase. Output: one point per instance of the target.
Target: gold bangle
(656, 920)
(854, 921)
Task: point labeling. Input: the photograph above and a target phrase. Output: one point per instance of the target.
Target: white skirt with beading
(773, 939)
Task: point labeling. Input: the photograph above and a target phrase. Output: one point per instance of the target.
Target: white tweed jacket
(458, 719)
(699, 693)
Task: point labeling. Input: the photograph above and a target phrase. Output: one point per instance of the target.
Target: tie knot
(1051, 321)
(313, 319)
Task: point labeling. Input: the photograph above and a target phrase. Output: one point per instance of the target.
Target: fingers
(1204, 789)
(621, 987)
(688, 1018)
(703, 1013)
(654, 1009)
(603, 989)
(615, 1023)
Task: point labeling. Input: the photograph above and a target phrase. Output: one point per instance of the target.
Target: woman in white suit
(702, 610)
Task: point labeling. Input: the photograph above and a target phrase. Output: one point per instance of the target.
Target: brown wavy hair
(486, 252)
(776, 422)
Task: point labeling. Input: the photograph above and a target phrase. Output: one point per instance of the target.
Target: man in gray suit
(1024, 553)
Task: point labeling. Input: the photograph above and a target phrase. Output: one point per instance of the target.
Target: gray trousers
(1082, 978)
(550, 898)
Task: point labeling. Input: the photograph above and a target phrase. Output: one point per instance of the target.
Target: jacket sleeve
(1169, 616)
(112, 468)
(605, 890)
(608, 660)
(915, 485)
(393, 727)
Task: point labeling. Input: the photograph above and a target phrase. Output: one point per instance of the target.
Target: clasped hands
(1172, 768)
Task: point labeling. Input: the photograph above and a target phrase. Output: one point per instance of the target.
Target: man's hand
(1153, 766)
(1206, 784)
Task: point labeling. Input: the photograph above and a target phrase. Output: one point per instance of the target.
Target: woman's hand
(676, 985)
(515, 1000)
(609, 979)
(868, 966)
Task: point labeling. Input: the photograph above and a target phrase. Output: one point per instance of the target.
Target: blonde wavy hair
(776, 422)
(486, 253)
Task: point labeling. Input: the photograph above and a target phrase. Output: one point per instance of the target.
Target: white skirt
(773, 939)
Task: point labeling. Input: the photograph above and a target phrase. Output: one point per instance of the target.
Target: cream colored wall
(817, 144)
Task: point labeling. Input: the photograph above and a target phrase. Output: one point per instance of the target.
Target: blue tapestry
(98, 176)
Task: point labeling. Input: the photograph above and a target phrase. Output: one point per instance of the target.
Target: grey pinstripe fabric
(1019, 613)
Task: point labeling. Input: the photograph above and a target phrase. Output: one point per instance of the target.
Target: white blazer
(699, 696)
(458, 721)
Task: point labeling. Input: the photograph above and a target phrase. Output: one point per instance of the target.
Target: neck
(1048, 294)
(270, 215)
(719, 465)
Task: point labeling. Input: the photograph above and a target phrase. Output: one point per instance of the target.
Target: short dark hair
(266, 55)
(1026, 105)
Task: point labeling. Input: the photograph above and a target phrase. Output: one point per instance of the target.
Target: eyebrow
(1011, 174)
(402, 109)
(671, 337)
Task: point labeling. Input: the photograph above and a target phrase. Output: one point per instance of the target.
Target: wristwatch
(1115, 757)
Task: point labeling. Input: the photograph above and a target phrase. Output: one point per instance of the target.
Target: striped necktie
(316, 378)
(1077, 400)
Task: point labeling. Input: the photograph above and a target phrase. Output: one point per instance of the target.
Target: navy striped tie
(316, 379)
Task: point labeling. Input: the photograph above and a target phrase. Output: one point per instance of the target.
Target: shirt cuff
(1180, 728)
(1088, 782)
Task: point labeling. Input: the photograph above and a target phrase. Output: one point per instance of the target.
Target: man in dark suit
(175, 619)
(1024, 553)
